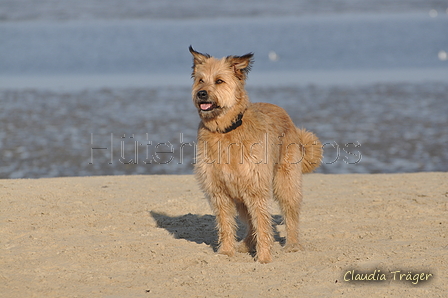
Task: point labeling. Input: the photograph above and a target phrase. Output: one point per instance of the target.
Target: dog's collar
(238, 121)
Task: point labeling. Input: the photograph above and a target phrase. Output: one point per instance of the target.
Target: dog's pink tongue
(206, 106)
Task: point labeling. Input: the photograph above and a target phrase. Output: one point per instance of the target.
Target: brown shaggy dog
(247, 154)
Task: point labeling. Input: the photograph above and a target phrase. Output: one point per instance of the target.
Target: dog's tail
(312, 150)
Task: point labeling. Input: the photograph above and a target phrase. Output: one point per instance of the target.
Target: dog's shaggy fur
(247, 153)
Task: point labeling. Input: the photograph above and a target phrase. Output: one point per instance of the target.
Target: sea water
(106, 96)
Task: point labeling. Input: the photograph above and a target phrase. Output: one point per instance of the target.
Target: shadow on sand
(201, 228)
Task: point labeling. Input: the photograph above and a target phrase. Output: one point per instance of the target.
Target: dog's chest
(231, 163)
(233, 152)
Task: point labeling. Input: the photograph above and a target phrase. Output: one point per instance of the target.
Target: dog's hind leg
(248, 243)
(288, 192)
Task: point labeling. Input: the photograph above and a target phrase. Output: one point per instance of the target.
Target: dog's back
(280, 124)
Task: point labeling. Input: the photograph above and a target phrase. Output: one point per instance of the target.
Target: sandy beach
(153, 236)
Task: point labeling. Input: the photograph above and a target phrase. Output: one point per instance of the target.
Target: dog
(247, 153)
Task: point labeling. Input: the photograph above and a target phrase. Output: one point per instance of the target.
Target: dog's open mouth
(207, 106)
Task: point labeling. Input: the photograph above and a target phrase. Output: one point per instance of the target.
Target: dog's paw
(292, 247)
(227, 252)
(264, 258)
(245, 246)
(242, 247)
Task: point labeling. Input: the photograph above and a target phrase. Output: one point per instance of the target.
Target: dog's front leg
(225, 211)
(262, 223)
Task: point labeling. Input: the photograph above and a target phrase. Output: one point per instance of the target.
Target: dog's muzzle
(202, 95)
(204, 103)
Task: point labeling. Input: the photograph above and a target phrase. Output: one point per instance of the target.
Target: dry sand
(153, 236)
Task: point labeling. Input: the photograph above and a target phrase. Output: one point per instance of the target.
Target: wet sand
(400, 127)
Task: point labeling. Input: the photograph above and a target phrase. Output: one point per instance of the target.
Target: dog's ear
(241, 65)
(198, 58)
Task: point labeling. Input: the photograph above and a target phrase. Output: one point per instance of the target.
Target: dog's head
(218, 83)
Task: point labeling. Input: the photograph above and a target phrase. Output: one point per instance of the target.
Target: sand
(153, 236)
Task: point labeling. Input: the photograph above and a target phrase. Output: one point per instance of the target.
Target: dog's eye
(201, 81)
(219, 81)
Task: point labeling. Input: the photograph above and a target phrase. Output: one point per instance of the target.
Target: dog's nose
(202, 94)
